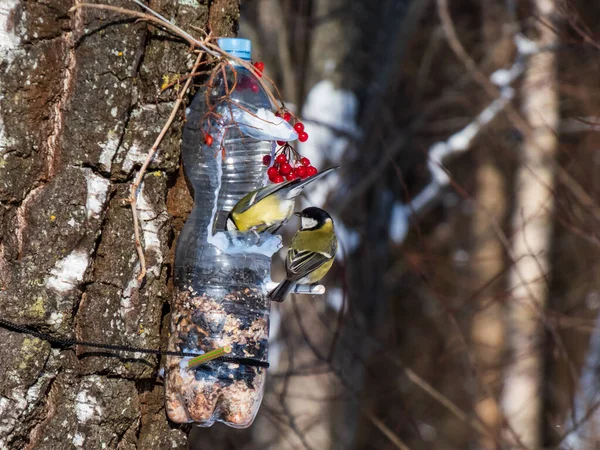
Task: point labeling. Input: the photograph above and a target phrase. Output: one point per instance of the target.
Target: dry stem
(140, 176)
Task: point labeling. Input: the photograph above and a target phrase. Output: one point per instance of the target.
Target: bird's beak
(299, 214)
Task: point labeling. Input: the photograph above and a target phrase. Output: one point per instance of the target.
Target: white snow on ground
(68, 272)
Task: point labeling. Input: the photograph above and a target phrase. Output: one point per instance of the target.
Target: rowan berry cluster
(289, 164)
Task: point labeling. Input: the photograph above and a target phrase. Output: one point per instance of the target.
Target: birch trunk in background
(487, 326)
(531, 223)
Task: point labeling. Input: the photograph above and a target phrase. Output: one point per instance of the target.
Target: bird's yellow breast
(318, 273)
(269, 211)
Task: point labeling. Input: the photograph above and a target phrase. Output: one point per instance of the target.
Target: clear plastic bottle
(220, 297)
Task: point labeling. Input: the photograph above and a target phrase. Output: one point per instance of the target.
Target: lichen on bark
(79, 107)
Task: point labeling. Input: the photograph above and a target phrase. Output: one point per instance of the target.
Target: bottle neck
(237, 63)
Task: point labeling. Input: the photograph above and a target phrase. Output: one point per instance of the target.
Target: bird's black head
(314, 218)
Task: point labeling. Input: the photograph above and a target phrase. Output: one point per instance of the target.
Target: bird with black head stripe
(269, 208)
(311, 252)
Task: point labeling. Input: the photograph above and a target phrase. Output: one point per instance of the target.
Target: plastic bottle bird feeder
(222, 278)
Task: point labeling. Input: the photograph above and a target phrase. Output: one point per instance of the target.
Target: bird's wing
(293, 188)
(301, 263)
(253, 198)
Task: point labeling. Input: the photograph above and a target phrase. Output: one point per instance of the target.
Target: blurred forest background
(467, 132)
(463, 311)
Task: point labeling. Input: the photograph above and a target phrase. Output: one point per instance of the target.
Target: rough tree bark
(78, 110)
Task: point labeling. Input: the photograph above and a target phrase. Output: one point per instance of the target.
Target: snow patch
(330, 121)
(109, 149)
(126, 305)
(335, 298)
(399, 223)
(150, 223)
(261, 124)
(349, 239)
(86, 406)
(236, 243)
(9, 50)
(97, 190)
(9, 40)
(55, 318)
(78, 440)
(134, 156)
(68, 272)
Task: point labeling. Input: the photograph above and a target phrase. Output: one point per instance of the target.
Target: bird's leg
(257, 236)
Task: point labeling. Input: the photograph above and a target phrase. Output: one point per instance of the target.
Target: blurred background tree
(468, 270)
(463, 309)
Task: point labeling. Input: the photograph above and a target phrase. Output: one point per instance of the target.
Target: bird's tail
(280, 292)
(301, 184)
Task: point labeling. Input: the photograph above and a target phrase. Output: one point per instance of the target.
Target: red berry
(267, 160)
(208, 140)
(277, 114)
(303, 137)
(280, 142)
(260, 66)
(254, 87)
(272, 172)
(244, 82)
(300, 171)
(285, 169)
(311, 171)
(305, 161)
(281, 158)
(277, 179)
(287, 116)
(299, 127)
(291, 176)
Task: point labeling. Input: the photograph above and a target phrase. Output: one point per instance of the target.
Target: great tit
(268, 208)
(311, 252)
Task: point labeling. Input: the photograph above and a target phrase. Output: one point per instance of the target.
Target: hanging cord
(121, 348)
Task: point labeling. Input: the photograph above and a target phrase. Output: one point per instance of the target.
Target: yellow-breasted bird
(268, 208)
(311, 252)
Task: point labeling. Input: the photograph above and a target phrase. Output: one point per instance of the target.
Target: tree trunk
(79, 110)
(531, 223)
(487, 326)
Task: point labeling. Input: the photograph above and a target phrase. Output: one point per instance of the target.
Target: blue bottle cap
(242, 48)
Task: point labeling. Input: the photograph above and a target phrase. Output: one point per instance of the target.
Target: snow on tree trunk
(78, 112)
(531, 223)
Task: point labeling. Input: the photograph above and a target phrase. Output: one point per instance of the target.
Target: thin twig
(393, 437)
(140, 176)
